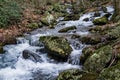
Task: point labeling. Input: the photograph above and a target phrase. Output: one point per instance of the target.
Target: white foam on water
(14, 74)
(110, 9)
(23, 69)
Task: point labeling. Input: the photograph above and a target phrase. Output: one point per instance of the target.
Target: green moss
(86, 52)
(67, 29)
(33, 25)
(76, 74)
(57, 46)
(96, 29)
(99, 59)
(113, 33)
(100, 21)
(59, 8)
(68, 17)
(48, 20)
(111, 73)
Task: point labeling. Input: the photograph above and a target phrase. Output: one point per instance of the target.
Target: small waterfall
(14, 67)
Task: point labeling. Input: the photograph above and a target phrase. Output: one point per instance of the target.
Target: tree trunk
(116, 15)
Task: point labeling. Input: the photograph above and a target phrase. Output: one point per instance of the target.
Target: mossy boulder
(99, 59)
(111, 73)
(91, 39)
(48, 20)
(76, 74)
(67, 29)
(86, 52)
(113, 33)
(96, 29)
(56, 47)
(100, 21)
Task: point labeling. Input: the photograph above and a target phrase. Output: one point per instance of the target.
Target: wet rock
(67, 29)
(76, 74)
(56, 47)
(86, 19)
(71, 17)
(91, 39)
(100, 21)
(97, 14)
(108, 15)
(86, 52)
(32, 56)
(74, 36)
(1, 48)
(96, 29)
(104, 9)
(111, 73)
(99, 59)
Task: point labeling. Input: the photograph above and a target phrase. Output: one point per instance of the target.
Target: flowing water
(14, 67)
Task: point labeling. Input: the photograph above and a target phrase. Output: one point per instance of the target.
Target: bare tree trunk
(116, 15)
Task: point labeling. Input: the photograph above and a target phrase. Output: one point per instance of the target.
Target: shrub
(10, 12)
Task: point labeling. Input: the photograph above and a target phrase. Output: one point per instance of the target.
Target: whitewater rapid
(14, 67)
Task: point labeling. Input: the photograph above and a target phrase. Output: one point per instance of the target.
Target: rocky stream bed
(72, 50)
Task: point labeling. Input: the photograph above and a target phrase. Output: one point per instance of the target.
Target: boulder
(86, 52)
(56, 47)
(76, 74)
(67, 29)
(71, 17)
(31, 55)
(113, 34)
(74, 36)
(100, 21)
(48, 20)
(97, 14)
(104, 9)
(111, 73)
(86, 19)
(91, 39)
(99, 59)
(108, 15)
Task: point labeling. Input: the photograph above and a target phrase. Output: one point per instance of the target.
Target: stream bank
(29, 60)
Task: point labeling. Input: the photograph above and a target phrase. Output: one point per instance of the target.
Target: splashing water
(14, 67)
